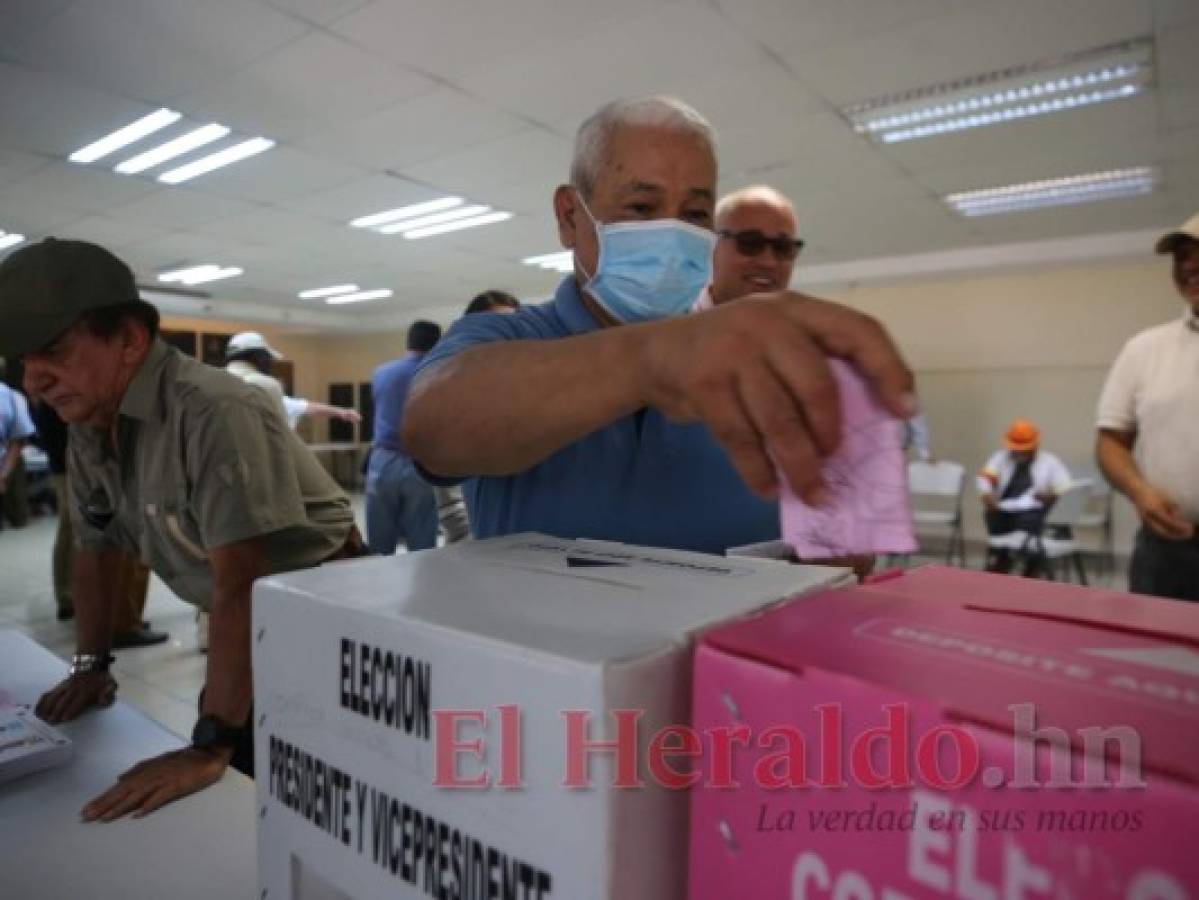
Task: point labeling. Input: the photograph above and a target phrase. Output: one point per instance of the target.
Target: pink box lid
(974, 643)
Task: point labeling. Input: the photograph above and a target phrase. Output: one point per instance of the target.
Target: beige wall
(986, 349)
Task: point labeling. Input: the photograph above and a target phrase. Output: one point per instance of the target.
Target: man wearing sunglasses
(756, 245)
(610, 413)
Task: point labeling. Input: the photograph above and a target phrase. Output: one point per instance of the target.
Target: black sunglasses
(753, 242)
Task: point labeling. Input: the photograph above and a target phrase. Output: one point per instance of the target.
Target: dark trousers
(1164, 568)
(1002, 522)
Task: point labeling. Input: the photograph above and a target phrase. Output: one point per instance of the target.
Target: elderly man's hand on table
(75, 695)
(155, 782)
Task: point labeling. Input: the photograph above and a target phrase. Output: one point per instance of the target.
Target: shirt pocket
(170, 536)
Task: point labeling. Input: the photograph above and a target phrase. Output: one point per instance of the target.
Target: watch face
(206, 731)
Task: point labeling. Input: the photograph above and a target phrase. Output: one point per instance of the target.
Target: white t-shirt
(248, 373)
(1049, 475)
(1153, 390)
(295, 408)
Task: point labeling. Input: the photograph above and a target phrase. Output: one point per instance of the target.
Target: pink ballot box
(950, 734)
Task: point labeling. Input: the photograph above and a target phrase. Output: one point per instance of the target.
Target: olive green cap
(46, 287)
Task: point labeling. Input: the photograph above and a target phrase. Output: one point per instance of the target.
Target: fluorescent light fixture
(360, 296)
(462, 212)
(405, 212)
(122, 137)
(10, 240)
(318, 293)
(563, 261)
(199, 274)
(1084, 79)
(457, 225)
(180, 145)
(1055, 192)
(225, 157)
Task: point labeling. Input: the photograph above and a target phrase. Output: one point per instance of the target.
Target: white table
(201, 847)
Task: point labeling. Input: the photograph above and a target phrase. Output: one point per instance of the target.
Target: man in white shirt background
(1018, 486)
(1148, 440)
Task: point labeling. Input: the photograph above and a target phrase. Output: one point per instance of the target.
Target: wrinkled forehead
(658, 156)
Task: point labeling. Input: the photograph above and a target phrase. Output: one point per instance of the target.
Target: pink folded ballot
(867, 509)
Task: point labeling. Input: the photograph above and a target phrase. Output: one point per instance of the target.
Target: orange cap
(1022, 435)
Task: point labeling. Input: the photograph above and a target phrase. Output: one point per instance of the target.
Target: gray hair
(591, 141)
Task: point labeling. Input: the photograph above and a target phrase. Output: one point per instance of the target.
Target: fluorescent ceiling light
(225, 157)
(317, 293)
(458, 225)
(360, 296)
(563, 261)
(10, 240)
(405, 212)
(180, 145)
(462, 212)
(1084, 79)
(199, 274)
(1055, 192)
(124, 136)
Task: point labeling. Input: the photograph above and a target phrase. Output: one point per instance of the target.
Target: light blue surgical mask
(649, 270)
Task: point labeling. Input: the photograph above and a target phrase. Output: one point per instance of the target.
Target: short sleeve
(1118, 401)
(240, 466)
(23, 427)
(480, 328)
(294, 408)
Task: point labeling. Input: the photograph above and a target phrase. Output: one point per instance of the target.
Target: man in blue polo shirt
(609, 412)
(399, 503)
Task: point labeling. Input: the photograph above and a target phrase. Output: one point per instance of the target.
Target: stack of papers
(27, 744)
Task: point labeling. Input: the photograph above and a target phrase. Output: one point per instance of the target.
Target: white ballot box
(432, 724)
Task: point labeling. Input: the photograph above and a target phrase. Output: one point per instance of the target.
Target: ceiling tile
(90, 190)
(279, 174)
(170, 208)
(457, 38)
(528, 155)
(318, 11)
(1178, 68)
(442, 121)
(156, 49)
(15, 164)
(278, 95)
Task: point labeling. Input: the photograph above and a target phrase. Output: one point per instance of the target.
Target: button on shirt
(389, 393)
(15, 424)
(1153, 390)
(202, 460)
(641, 479)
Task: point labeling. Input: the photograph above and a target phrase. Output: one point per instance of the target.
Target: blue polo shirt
(389, 393)
(642, 479)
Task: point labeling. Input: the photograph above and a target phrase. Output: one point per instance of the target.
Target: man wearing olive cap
(183, 464)
(1150, 407)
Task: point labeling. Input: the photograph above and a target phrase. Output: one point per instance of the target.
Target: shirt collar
(568, 304)
(142, 398)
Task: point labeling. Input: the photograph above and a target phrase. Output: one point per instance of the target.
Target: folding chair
(936, 493)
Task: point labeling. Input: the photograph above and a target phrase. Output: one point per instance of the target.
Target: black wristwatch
(211, 733)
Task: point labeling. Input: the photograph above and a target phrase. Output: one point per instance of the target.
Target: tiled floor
(163, 681)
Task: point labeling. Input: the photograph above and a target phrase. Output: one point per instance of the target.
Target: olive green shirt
(202, 460)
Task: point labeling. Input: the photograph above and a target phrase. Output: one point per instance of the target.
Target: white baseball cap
(245, 341)
(1188, 230)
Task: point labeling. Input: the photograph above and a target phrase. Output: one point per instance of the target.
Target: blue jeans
(399, 504)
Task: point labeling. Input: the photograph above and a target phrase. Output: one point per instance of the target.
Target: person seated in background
(609, 412)
(451, 506)
(176, 461)
(251, 358)
(1018, 486)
